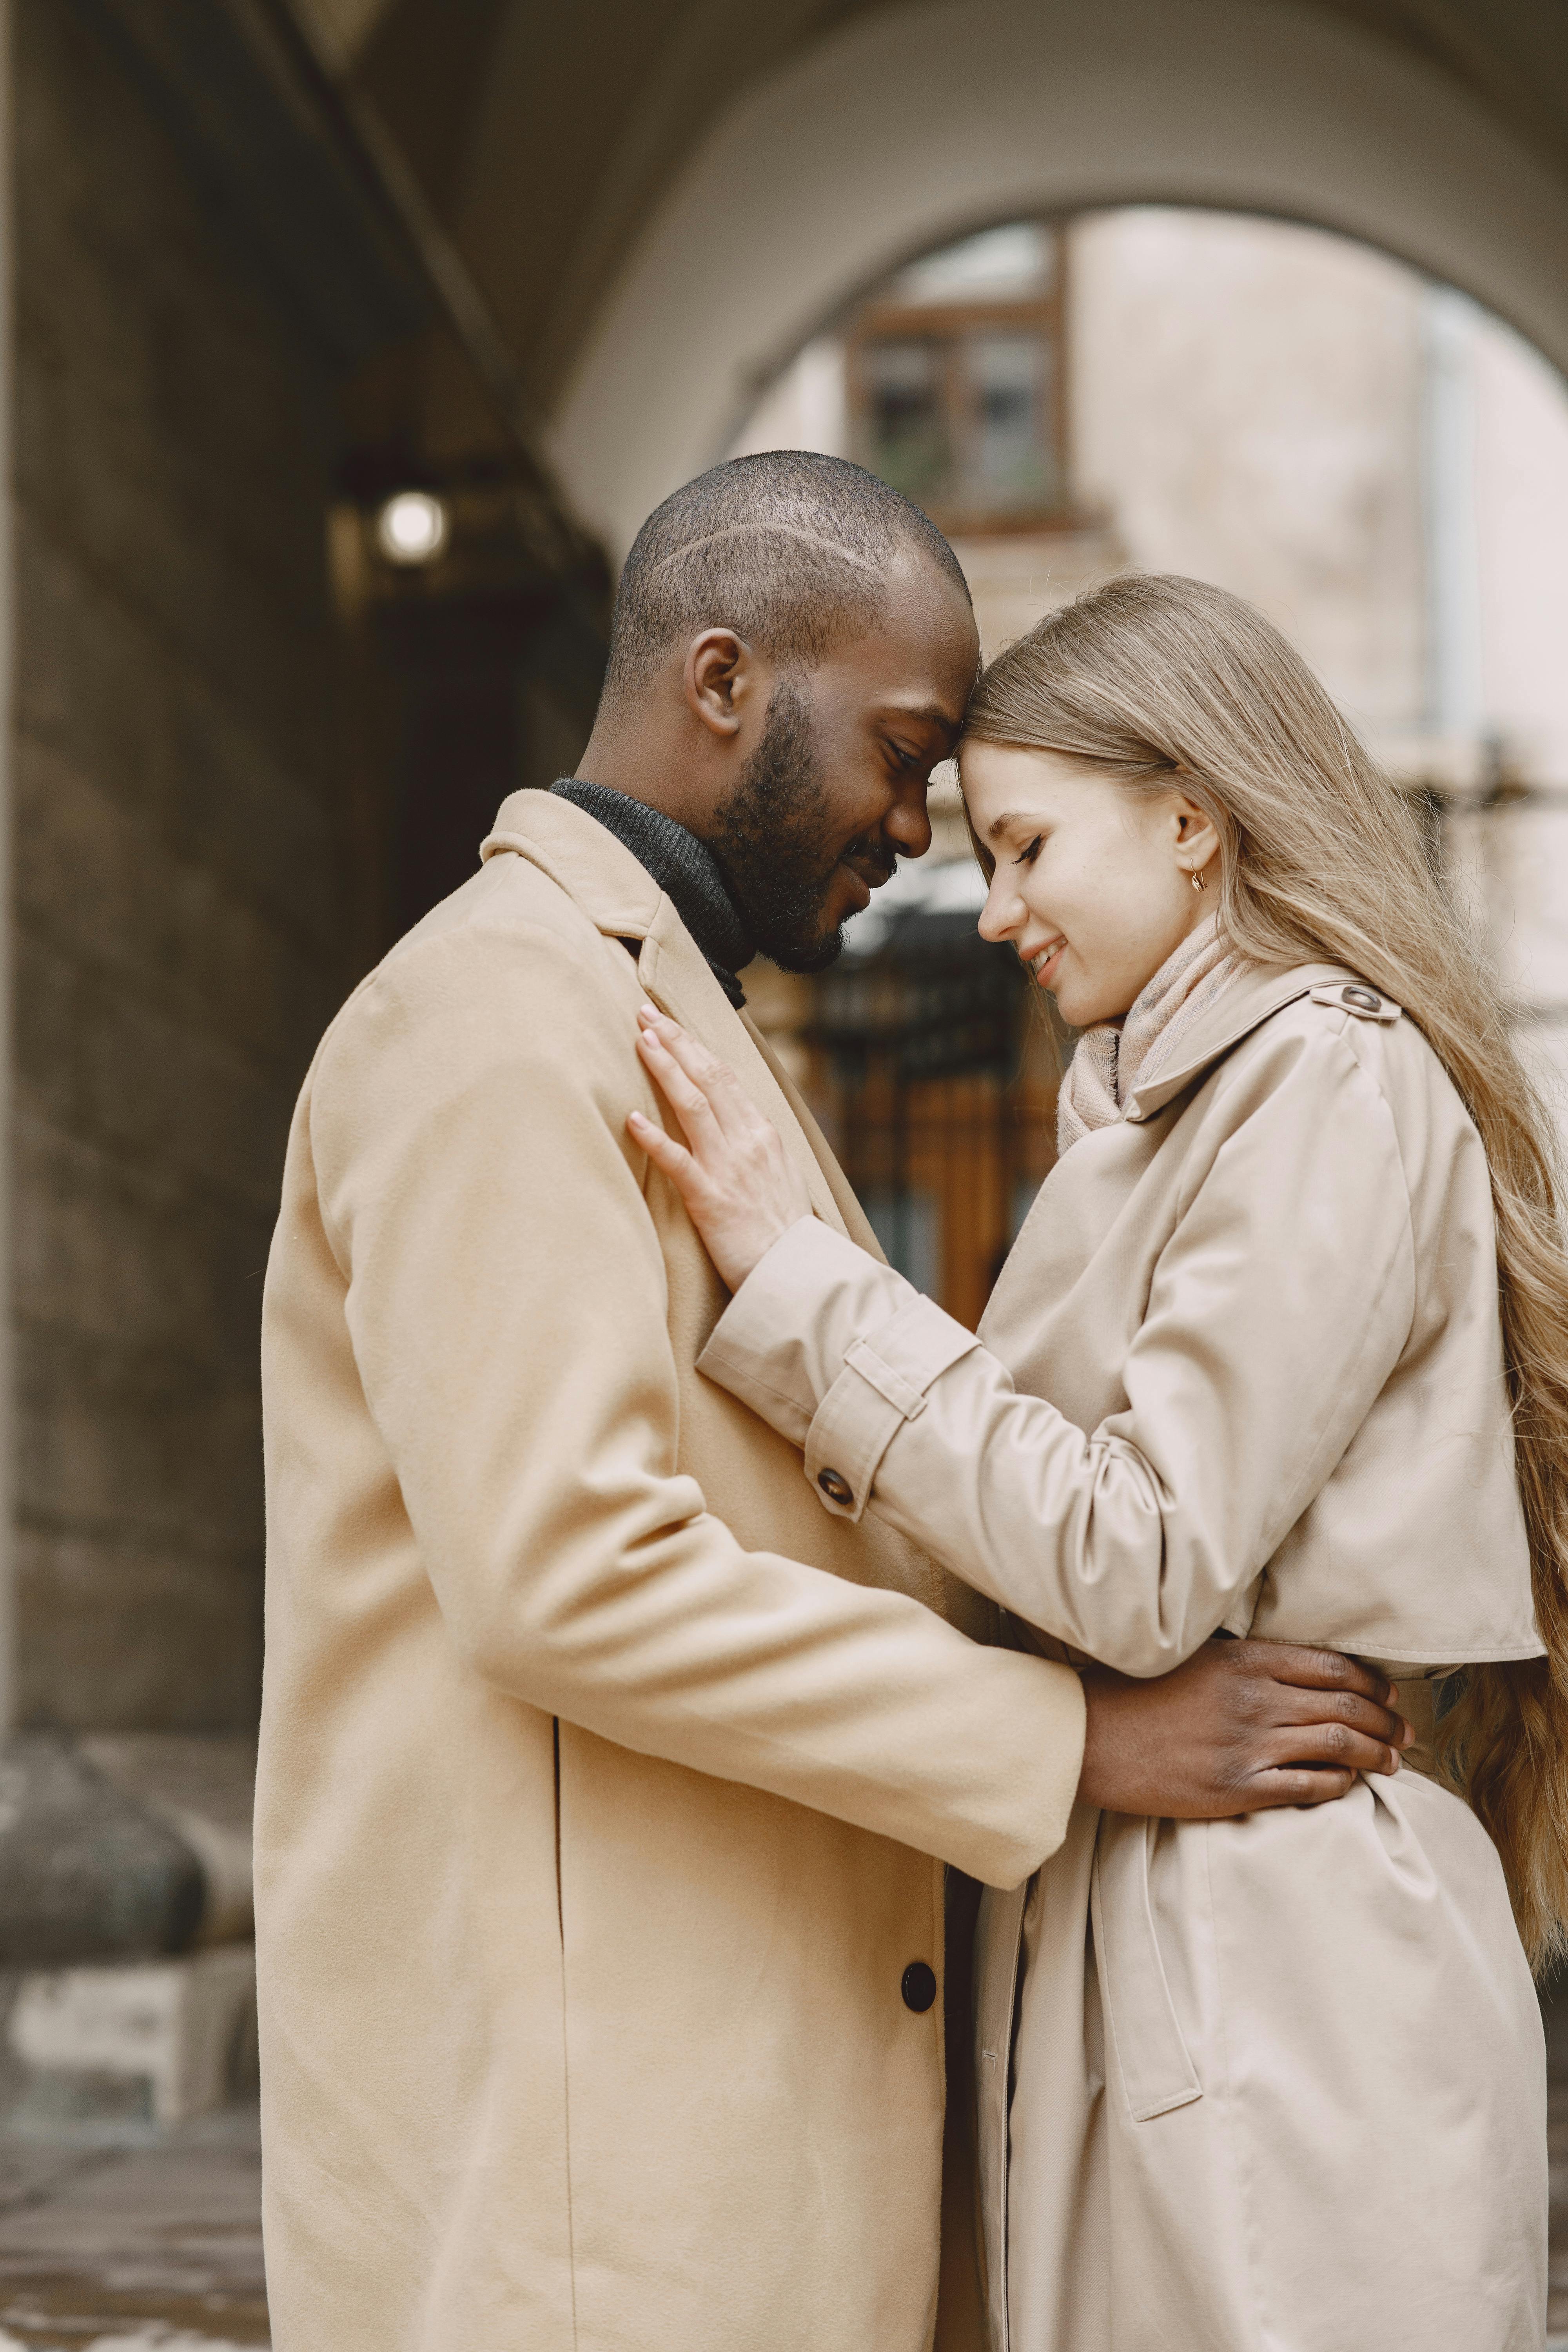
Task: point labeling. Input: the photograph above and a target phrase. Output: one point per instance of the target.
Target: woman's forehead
(1008, 778)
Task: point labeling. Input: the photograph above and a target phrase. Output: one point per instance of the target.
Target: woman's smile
(1043, 963)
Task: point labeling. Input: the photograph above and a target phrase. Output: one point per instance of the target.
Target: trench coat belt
(1139, 2019)
(1141, 2022)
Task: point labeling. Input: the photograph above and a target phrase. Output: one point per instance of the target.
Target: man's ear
(720, 678)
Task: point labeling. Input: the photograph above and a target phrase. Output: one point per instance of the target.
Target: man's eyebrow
(933, 712)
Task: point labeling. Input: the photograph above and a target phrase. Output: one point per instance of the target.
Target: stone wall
(182, 884)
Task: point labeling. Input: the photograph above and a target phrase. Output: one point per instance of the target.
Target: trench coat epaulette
(1355, 996)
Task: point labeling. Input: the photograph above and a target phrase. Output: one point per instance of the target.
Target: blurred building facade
(278, 266)
(1372, 458)
(1376, 461)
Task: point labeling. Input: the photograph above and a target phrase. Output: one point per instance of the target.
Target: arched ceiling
(343, 27)
(593, 160)
(546, 135)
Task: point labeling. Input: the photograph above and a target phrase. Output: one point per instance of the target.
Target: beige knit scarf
(1114, 1056)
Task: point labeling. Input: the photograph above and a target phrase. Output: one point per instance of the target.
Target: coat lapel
(676, 974)
(622, 900)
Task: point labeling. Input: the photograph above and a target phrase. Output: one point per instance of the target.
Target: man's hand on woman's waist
(1241, 1726)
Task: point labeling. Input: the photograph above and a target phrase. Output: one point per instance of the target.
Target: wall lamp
(411, 527)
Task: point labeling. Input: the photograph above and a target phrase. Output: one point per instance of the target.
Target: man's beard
(770, 838)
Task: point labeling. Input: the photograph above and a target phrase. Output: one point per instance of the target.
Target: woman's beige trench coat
(1278, 2082)
(601, 1775)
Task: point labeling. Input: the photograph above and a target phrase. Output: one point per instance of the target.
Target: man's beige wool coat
(1278, 2082)
(606, 1783)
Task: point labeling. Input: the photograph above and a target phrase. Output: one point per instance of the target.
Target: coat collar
(684, 867)
(621, 898)
(614, 888)
(1258, 992)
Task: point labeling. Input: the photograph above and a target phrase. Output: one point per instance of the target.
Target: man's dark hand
(1241, 1726)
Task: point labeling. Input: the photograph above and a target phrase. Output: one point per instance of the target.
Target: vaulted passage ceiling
(552, 141)
(545, 136)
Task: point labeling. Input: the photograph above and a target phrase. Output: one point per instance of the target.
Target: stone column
(7, 640)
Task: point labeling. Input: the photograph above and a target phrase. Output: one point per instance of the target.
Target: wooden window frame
(883, 320)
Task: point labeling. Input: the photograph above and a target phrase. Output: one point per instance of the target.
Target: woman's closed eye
(1027, 856)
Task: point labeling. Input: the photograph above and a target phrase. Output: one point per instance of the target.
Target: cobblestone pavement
(1555, 2005)
(150, 2249)
(158, 2248)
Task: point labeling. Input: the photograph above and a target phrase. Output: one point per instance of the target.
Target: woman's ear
(720, 677)
(1196, 841)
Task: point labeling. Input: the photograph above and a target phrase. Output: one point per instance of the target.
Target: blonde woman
(1282, 1350)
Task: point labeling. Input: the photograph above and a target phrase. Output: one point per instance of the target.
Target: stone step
(144, 2044)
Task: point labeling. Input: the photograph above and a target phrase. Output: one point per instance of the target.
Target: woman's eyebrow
(999, 825)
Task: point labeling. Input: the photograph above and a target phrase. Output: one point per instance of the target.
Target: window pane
(903, 423)
(1012, 263)
(1009, 457)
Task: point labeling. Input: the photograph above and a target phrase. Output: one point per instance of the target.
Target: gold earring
(1198, 882)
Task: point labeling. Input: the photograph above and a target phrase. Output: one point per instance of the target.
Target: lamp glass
(411, 527)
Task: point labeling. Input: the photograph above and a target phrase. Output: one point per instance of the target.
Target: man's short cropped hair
(789, 549)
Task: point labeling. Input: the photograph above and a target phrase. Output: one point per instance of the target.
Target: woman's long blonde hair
(1164, 681)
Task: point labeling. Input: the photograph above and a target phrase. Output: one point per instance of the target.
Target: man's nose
(908, 823)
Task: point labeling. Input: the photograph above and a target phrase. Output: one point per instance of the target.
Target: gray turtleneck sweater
(685, 869)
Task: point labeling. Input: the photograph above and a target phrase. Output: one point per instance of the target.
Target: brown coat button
(918, 1987)
(837, 1490)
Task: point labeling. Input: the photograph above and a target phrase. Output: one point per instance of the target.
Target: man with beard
(607, 1786)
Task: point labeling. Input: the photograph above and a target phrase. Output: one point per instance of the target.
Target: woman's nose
(1001, 915)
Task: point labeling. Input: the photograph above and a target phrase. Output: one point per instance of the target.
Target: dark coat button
(837, 1490)
(918, 1987)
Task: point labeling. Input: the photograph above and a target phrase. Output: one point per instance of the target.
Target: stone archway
(911, 126)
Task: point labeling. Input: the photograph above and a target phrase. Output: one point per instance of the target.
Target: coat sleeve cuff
(882, 1385)
(768, 1348)
(835, 1351)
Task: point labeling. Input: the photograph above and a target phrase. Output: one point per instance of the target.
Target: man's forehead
(925, 682)
(924, 656)
(925, 676)
(928, 608)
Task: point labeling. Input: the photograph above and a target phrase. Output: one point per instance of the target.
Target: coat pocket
(1156, 2069)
